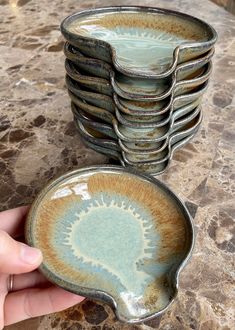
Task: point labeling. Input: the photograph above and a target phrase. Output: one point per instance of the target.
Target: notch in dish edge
(138, 277)
(185, 38)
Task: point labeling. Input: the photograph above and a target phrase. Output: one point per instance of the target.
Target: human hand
(32, 295)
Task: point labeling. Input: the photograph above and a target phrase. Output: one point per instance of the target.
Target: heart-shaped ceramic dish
(114, 235)
(121, 35)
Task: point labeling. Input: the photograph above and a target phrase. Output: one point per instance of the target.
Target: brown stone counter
(38, 141)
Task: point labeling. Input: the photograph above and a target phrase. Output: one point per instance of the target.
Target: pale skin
(32, 294)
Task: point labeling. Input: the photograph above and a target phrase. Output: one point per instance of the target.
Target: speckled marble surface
(38, 141)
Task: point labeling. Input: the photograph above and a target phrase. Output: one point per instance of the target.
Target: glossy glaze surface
(134, 153)
(100, 233)
(134, 158)
(135, 134)
(138, 88)
(190, 73)
(129, 30)
(38, 141)
(155, 108)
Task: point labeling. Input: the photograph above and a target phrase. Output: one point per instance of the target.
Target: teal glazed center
(93, 237)
(132, 43)
(111, 236)
(141, 40)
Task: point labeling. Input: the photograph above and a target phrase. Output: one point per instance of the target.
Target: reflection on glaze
(116, 233)
(141, 40)
(142, 86)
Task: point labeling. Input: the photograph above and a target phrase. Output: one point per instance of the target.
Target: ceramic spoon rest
(133, 89)
(121, 35)
(129, 134)
(109, 234)
(155, 168)
(192, 73)
(157, 108)
(127, 120)
(101, 69)
(150, 111)
(142, 155)
(129, 158)
(102, 132)
(103, 86)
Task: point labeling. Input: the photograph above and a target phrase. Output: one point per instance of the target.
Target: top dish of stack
(136, 76)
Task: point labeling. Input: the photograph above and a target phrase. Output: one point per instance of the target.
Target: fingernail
(30, 255)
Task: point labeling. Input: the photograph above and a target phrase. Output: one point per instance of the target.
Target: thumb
(17, 257)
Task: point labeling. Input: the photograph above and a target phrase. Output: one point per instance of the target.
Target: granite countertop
(38, 141)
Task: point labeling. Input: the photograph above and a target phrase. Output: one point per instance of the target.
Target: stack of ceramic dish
(136, 77)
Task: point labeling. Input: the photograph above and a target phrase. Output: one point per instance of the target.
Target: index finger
(12, 221)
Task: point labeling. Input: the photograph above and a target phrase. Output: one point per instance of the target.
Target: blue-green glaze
(139, 88)
(155, 108)
(154, 168)
(131, 134)
(121, 35)
(135, 158)
(103, 238)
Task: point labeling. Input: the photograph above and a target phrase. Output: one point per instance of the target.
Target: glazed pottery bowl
(102, 238)
(101, 69)
(157, 157)
(121, 35)
(191, 74)
(155, 168)
(125, 119)
(99, 135)
(155, 108)
(133, 134)
(133, 87)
